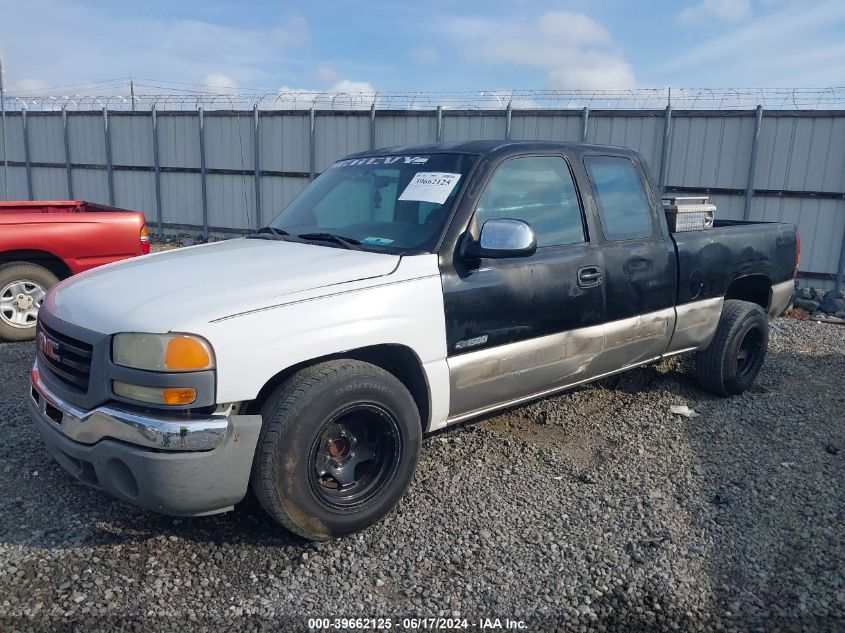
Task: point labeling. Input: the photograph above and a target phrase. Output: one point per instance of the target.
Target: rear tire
(338, 448)
(22, 289)
(730, 364)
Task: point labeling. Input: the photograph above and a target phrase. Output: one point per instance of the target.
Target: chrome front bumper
(148, 430)
(187, 467)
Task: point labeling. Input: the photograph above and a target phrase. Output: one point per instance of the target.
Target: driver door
(519, 327)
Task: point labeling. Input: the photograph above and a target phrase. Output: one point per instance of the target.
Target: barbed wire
(633, 99)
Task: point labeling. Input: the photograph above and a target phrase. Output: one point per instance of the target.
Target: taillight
(797, 252)
(145, 240)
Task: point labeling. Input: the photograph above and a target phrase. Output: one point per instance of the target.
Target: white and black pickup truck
(404, 290)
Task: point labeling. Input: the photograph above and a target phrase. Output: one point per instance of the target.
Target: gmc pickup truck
(42, 242)
(404, 290)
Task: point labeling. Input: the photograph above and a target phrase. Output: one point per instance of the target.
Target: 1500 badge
(471, 342)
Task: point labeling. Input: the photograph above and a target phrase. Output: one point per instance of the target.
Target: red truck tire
(22, 289)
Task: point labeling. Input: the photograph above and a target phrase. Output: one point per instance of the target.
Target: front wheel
(338, 448)
(730, 364)
(22, 289)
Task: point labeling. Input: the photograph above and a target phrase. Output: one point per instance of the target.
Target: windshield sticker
(430, 186)
(383, 160)
(376, 241)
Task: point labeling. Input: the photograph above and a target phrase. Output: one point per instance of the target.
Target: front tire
(730, 364)
(22, 289)
(338, 448)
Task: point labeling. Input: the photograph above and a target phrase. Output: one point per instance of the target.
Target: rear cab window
(622, 203)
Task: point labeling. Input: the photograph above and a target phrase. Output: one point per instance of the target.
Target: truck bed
(709, 260)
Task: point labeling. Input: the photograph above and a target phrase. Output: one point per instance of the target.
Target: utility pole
(3, 114)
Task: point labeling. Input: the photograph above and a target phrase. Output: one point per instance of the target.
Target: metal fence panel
(817, 156)
(45, 138)
(91, 184)
(131, 139)
(136, 190)
(17, 183)
(179, 140)
(283, 144)
(276, 194)
(710, 151)
(410, 129)
(231, 201)
(48, 183)
(181, 198)
(546, 127)
(86, 138)
(338, 135)
(229, 141)
(642, 133)
(14, 137)
(821, 223)
(481, 126)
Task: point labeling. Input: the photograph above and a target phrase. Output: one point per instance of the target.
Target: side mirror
(501, 238)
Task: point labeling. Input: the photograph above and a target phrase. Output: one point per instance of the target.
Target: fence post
(157, 168)
(66, 142)
(109, 171)
(840, 272)
(202, 176)
(373, 125)
(439, 123)
(752, 165)
(585, 117)
(667, 146)
(508, 116)
(312, 144)
(26, 154)
(257, 166)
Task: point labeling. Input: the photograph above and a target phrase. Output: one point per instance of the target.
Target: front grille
(66, 358)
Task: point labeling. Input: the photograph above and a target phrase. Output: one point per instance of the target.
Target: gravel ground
(597, 509)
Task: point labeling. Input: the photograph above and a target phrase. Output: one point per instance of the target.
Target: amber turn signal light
(180, 395)
(185, 353)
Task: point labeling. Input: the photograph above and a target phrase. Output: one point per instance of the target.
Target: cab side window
(623, 206)
(539, 191)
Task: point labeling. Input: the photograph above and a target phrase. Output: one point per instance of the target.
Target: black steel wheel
(355, 455)
(338, 448)
(730, 363)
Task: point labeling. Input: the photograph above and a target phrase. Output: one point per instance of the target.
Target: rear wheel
(730, 364)
(338, 448)
(22, 290)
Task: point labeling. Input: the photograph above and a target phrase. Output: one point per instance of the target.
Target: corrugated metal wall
(799, 175)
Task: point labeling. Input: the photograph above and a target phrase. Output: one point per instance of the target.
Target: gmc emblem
(49, 347)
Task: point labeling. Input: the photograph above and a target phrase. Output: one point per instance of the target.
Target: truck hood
(172, 290)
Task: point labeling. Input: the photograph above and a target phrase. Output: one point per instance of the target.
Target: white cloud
(347, 85)
(327, 74)
(575, 50)
(27, 85)
(221, 83)
(113, 40)
(798, 46)
(424, 55)
(728, 10)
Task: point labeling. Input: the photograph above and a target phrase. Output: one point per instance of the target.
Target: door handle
(589, 276)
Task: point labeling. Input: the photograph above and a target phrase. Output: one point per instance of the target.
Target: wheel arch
(53, 263)
(755, 288)
(399, 360)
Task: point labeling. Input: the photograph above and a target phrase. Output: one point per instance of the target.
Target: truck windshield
(384, 203)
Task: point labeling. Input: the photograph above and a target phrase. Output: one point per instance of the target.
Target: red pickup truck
(42, 242)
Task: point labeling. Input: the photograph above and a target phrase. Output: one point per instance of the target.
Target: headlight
(162, 352)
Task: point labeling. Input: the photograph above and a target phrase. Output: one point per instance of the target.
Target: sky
(48, 46)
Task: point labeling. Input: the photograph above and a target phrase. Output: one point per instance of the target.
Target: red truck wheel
(22, 289)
